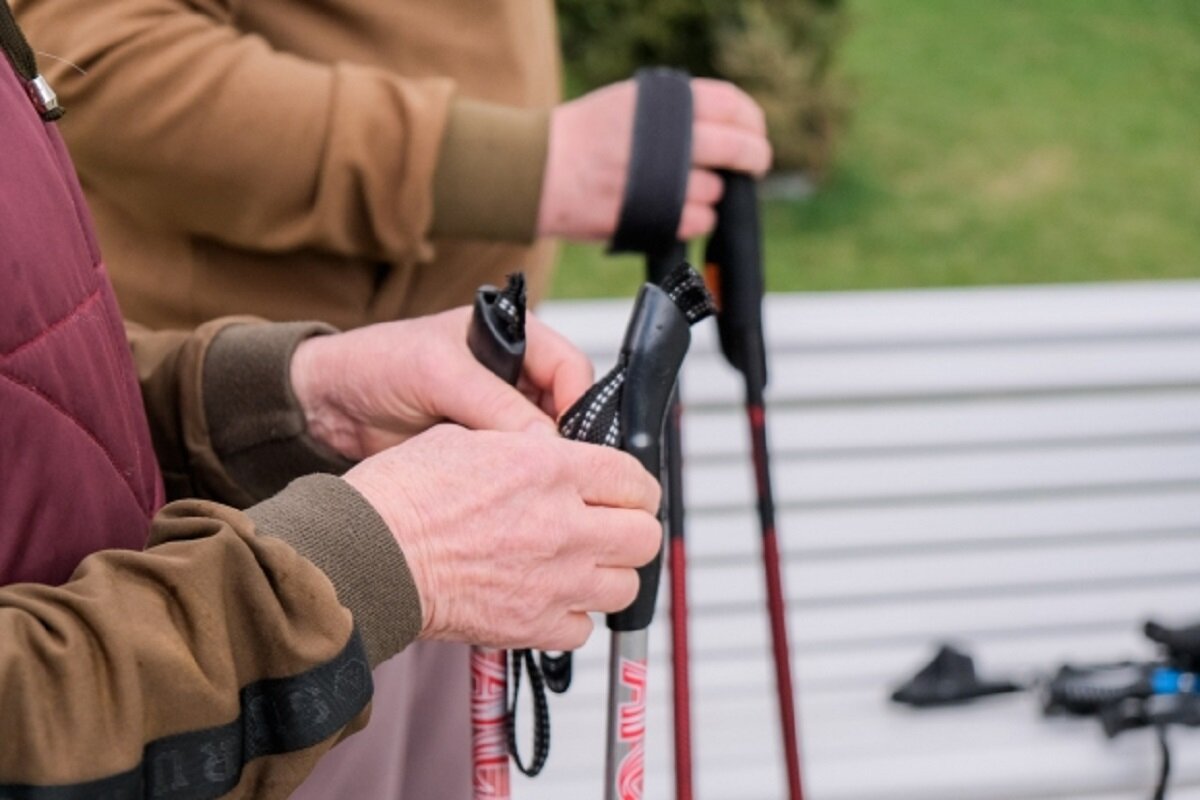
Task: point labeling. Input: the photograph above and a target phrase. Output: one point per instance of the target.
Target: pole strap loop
(659, 162)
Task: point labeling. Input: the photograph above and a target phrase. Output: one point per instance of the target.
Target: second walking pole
(733, 262)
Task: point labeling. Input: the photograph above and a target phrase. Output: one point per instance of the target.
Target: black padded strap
(658, 164)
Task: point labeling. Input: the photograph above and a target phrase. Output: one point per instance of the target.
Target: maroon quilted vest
(77, 469)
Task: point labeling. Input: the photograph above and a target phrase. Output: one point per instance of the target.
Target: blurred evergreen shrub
(781, 51)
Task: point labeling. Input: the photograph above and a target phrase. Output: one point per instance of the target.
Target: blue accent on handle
(1165, 680)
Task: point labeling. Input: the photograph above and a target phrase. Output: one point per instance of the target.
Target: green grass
(1022, 141)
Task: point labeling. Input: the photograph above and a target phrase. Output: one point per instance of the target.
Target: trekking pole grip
(491, 337)
(734, 272)
(655, 344)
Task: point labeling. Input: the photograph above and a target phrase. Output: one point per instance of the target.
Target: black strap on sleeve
(659, 162)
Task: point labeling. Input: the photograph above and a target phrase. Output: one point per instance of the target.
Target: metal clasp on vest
(44, 99)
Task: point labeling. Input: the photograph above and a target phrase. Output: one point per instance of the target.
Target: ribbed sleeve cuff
(255, 423)
(488, 182)
(325, 520)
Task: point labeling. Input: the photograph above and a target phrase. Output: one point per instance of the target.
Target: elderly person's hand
(591, 140)
(371, 388)
(511, 533)
(513, 538)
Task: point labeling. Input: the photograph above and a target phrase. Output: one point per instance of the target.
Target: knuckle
(606, 466)
(549, 542)
(528, 618)
(543, 461)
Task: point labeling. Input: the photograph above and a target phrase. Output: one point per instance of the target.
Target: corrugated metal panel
(1018, 469)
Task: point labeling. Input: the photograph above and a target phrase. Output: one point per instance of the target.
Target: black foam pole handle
(659, 163)
(655, 343)
(734, 272)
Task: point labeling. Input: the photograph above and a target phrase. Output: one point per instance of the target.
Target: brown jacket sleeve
(208, 130)
(228, 656)
(225, 423)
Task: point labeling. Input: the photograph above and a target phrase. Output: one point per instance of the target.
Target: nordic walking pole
(681, 689)
(497, 340)
(656, 340)
(734, 267)
(627, 408)
(650, 213)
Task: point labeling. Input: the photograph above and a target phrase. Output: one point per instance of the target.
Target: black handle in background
(1182, 644)
(656, 342)
(734, 270)
(493, 342)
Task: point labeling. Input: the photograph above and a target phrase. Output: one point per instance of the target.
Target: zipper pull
(44, 99)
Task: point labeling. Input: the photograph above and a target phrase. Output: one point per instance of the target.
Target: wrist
(315, 378)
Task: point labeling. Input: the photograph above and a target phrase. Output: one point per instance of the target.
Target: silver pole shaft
(625, 757)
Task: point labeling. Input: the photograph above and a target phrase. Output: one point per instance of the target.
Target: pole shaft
(625, 755)
(776, 599)
(680, 660)
(489, 742)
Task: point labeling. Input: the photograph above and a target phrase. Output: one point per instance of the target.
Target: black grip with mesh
(627, 408)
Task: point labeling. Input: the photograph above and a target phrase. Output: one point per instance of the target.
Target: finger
(604, 476)
(719, 146)
(610, 590)
(624, 537)
(721, 101)
(571, 632)
(482, 401)
(704, 187)
(554, 366)
(696, 220)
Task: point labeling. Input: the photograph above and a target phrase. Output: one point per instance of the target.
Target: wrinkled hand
(512, 538)
(590, 145)
(371, 388)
